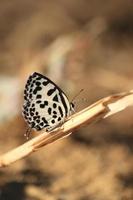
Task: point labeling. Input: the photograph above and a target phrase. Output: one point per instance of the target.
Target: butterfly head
(72, 104)
(72, 107)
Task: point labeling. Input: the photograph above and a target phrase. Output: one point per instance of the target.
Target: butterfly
(45, 104)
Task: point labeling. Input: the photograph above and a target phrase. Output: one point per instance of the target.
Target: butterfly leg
(27, 134)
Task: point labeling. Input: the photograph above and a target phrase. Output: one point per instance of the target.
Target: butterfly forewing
(45, 104)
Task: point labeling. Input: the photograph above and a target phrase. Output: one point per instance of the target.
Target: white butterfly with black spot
(45, 104)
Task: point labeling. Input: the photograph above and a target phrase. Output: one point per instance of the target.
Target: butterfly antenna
(77, 95)
(27, 134)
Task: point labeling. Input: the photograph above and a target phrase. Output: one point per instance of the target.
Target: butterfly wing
(45, 104)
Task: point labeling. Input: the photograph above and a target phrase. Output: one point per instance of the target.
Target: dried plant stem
(101, 109)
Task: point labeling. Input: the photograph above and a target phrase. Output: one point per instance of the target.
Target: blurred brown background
(78, 44)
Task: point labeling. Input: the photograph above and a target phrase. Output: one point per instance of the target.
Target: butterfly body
(45, 104)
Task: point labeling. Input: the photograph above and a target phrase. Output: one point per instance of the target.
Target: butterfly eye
(72, 106)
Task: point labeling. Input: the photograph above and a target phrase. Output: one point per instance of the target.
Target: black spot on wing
(51, 91)
(25, 117)
(30, 96)
(39, 96)
(54, 105)
(49, 111)
(53, 121)
(29, 80)
(44, 120)
(38, 102)
(38, 78)
(32, 114)
(25, 91)
(41, 124)
(33, 109)
(38, 83)
(35, 117)
(56, 98)
(42, 105)
(59, 118)
(46, 103)
(37, 89)
(32, 124)
(24, 112)
(25, 98)
(38, 128)
(29, 119)
(38, 120)
(46, 125)
(34, 75)
(60, 110)
(45, 83)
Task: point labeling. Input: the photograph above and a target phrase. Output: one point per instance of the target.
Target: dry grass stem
(101, 109)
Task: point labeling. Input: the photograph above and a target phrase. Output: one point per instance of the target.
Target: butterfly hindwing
(45, 104)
